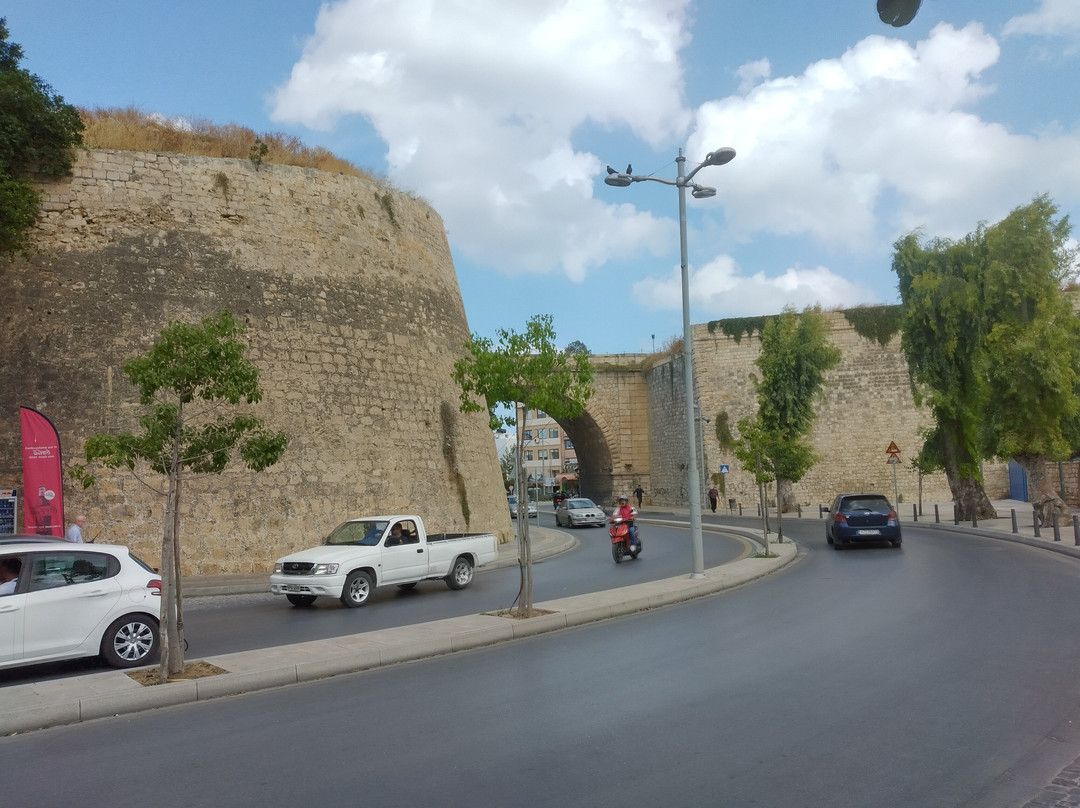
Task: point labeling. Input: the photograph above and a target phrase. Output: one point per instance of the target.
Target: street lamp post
(622, 180)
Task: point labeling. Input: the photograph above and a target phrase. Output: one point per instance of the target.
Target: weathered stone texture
(867, 404)
(355, 319)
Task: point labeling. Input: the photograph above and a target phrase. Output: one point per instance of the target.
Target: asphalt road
(230, 623)
(940, 674)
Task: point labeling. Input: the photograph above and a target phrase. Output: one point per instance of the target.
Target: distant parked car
(530, 506)
(77, 600)
(579, 511)
(861, 518)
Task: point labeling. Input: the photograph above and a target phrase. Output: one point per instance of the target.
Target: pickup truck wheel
(358, 588)
(301, 600)
(461, 574)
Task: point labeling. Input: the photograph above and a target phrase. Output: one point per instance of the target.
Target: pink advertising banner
(43, 499)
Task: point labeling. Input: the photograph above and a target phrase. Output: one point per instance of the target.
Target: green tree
(185, 381)
(993, 348)
(944, 329)
(576, 347)
(755, 448)
(795, 356)
(508, 465)
(1031, 354)
(524, 369)
(37, 134)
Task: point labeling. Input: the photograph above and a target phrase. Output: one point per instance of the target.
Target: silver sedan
(577, 512)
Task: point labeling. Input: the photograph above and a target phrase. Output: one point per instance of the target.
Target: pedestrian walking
(713, 496)
(74, 532)
(639, 494)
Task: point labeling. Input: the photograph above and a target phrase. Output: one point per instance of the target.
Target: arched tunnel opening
(594, 458)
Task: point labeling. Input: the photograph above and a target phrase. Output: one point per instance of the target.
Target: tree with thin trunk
(187, 381)
(754, 449)
(795, 356)
(528, 370)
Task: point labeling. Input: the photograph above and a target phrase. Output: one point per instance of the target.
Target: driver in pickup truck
(395, 538)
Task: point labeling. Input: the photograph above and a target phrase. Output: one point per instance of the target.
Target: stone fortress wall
(354, 319)
(867, 405)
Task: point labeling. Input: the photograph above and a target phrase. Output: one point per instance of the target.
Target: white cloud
(479, 102)
(1051, 18)
(719, 290)
(753, 73)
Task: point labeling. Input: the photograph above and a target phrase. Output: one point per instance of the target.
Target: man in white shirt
(74, 533)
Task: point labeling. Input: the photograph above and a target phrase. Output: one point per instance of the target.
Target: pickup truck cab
(374, 551)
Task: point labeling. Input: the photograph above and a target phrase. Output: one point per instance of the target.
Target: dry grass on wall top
(130, 129)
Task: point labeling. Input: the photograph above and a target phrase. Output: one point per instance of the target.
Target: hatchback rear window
(879, 504)
(51, 570)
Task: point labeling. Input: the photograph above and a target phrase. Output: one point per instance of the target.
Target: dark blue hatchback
(861, 518)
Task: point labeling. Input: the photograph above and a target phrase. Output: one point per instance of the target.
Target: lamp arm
(640, 178)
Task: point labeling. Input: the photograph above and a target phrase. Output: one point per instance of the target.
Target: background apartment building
(549, 459)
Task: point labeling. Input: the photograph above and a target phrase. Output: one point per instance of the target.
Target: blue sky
(849, 133)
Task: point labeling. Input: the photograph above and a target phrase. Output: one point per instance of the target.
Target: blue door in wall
(1017, 482)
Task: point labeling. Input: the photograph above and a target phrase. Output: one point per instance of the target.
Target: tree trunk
(779, 518)
(172, 660)
(969, 498)
(1041, 491)
(172, 650)
(525, 592)
(785, 496)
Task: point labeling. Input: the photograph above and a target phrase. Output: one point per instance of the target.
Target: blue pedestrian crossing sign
(725, 469)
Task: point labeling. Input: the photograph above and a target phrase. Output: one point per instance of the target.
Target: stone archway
(594, 458)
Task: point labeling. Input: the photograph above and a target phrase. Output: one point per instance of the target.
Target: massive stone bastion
(354, 319)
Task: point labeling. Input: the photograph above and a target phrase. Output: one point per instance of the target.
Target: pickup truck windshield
(359, 532)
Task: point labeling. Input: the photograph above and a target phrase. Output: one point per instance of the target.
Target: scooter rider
(627, 513)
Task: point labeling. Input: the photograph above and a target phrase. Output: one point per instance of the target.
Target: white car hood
(330, 554)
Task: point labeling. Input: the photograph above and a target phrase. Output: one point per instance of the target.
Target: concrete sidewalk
(107, 693)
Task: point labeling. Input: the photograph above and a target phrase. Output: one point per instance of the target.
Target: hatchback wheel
(130, 641)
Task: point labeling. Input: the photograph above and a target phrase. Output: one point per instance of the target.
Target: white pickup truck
(380, 551)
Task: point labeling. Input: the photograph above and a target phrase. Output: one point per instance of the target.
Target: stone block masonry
(866, 405)
(354, 319)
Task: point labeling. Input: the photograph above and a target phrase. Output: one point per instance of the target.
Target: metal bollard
(740, 509)
(1035, 523)
(937, 516)
(975, 519)
(1013, 512)
(1057, 529)
(955, 515)
(914, 514)
(1076, 530)
(798, 507)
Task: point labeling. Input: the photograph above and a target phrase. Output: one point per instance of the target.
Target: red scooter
(620, 540)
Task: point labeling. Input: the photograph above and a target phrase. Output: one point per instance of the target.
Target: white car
(77, 600)
(530, 506)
